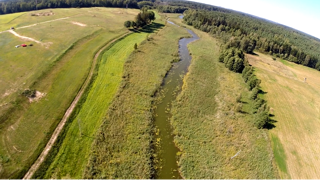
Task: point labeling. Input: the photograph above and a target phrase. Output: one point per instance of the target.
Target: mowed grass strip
(26, 127)
(24, 139)
(23, 66)
(208, 130)
(296, 111)
(122, 146)
(82, 130)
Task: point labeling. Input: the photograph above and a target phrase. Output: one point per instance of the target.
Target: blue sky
(303, 15)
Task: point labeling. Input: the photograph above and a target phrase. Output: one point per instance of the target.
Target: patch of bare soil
(270, 65)
(50, 13)
(79, 24)
(38, 96)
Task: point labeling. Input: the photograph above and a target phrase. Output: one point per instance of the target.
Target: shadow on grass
(243, 102)
(262, 92)
(149, 28)
(270, 125)
(253, 53)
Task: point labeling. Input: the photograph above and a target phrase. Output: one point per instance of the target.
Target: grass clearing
(54, 71)
(279, 154)
(122, 148)
(67, 163)
(208, 129)
(296, 112)
(6, 19)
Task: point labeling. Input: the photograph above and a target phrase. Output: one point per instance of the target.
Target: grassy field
(123, 145)
(209, 131)
(22, 66)
(54, 71)
(296, 108)
(67, 163)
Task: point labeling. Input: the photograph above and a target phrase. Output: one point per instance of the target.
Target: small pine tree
(135, 46)
(261, 119)
(254, 93)
(230, 63)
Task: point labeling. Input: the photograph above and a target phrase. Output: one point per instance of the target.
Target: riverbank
(215, 140)
(166, 160)
(123, 145)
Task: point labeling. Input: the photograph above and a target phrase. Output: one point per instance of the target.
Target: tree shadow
(270, 124)
(253, 53)
(243, 102)
(262, 92)
(243, 112)
(151, 27)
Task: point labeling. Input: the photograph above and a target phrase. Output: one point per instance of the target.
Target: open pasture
(58, 70)
(295, 105)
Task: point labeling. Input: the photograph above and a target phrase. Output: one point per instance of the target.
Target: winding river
(167, 167)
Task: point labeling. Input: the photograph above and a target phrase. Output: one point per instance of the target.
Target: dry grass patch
(296, 109)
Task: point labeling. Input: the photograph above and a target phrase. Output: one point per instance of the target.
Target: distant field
(209, 130)
(58, 70)
(296, 107)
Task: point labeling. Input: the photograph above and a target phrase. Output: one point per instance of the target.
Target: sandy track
(67, 114)
(37, 24)
(23, 37)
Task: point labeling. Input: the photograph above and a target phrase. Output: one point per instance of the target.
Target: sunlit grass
(209, 131)
(58, 71)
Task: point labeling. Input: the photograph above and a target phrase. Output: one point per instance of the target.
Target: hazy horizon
(300, 15)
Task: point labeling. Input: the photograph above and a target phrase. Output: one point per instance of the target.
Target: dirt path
(47, 45)
(23, 37)
(37, 24)
(60, 126)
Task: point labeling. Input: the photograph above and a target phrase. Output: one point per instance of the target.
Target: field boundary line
(68, 112)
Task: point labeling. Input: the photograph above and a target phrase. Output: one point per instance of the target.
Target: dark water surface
(167, 168)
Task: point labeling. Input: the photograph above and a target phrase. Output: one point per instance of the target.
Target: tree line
(234, 60)
(7, 7)
(249, 33)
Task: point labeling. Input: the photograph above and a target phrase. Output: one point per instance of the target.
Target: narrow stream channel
(167, 167)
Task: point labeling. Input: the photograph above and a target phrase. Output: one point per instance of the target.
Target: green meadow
(57, 70)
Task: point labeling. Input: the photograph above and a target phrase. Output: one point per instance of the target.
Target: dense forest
(249, 33)
(29, 5)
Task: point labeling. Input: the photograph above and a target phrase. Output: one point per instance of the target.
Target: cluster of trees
(233, 59)
(198, 6)
(171, 9)
(144, 17)
(29, 5)
(148, 4)
(249, 33)
(260, 107)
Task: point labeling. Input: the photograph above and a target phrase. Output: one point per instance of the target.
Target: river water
(167, 167)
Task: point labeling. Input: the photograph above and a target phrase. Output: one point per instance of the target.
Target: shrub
(254, 93)
(261, 119)
(29, 93)
(127, 24)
